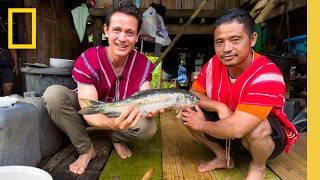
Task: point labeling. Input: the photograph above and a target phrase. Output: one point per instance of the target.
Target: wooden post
(97, 31)
(183, 28)
(141, 47)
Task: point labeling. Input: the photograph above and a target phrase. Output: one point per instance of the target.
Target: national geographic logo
(34, 29)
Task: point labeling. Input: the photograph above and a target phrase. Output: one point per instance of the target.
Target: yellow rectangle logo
(33, 31)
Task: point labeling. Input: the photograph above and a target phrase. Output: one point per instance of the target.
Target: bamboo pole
(183, 29)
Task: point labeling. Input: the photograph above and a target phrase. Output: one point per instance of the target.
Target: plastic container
(38, 79)
(61, 63)
(27, 134)
(7, 101)
(48, 131)
(19, 135)
(23, 172)
(298, 44)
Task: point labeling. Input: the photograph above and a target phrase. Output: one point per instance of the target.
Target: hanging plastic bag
(149, 23)
(162, 36)
(153, 26)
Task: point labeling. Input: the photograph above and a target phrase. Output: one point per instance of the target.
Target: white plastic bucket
(23, 173)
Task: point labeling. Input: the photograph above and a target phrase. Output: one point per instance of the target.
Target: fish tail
(93, 107)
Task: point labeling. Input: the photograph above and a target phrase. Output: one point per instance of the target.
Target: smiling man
(246, 92)
(109, 74)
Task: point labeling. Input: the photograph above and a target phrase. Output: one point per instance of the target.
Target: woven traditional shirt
(259, 90)
(94, 68)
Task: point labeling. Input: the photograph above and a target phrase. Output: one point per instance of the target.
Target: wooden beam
(213, 13)
(98, 11)
(191, 29)
(292, 5)
(270, 5)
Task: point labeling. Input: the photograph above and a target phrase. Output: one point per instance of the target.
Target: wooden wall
(56, 35)
(180, 4)
(193, 4)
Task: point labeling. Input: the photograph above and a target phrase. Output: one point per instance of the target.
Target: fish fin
(177, 109)
(136, 93)
(144, 114)
(179, 113)
(143, 91)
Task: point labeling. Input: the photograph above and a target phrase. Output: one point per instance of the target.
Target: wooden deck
(172, 154)
(182, 155)
(292, 165)
(58, 165)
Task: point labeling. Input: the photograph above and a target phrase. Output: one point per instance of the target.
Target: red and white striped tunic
(260, 85)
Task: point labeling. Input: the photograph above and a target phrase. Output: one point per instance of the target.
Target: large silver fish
(146, 101)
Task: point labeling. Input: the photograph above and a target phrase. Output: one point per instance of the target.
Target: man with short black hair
(247, 93)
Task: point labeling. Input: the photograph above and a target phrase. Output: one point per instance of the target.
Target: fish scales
(147, 101)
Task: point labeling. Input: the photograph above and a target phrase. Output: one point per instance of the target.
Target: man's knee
(147, 129)
(261, 136)
(7, 88)
(144, 131)
(54, 95)
(262, 131)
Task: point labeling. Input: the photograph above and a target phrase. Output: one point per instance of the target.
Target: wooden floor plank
(294, 164)
(180, 151)
(182, 154)
(58, 165)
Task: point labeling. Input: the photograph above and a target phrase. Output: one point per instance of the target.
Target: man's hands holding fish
(128, 119)
(154, 113)
(193, 119)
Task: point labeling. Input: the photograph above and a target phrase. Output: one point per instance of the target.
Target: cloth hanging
(80, 15)
(263, 35)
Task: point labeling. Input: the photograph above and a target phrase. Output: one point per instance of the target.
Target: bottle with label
(182, 73)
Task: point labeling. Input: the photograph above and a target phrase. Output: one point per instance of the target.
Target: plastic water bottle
(138, 3)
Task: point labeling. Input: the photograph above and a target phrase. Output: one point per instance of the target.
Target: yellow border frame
(33, 44)
(313, 64)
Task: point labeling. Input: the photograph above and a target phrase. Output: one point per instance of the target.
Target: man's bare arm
(95, 120)
(212, 106)
(235, 126)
